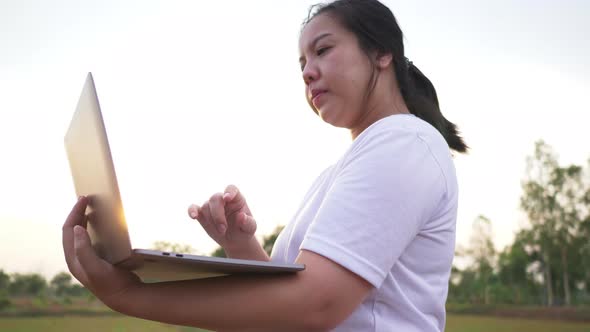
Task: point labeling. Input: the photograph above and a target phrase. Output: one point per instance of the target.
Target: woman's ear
(384, 60)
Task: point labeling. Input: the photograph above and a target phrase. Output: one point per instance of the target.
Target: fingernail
(193, 211)
(225, 196)
(221, 228)
(78, 232)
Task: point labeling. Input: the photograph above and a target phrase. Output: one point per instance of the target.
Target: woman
(376, 230)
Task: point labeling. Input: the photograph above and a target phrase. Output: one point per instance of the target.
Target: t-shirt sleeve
(385, 190)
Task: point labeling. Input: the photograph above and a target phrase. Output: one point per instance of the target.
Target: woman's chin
(325, 116)
(331, 119)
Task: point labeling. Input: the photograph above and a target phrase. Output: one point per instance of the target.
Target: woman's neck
(381, 105)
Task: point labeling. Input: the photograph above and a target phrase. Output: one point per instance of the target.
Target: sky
(197, 95)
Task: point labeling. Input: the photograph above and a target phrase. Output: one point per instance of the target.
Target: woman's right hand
(227, 219)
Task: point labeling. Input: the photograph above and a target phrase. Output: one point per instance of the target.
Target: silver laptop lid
(93, 173)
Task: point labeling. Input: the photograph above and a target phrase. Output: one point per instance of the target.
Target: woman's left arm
(316, 299)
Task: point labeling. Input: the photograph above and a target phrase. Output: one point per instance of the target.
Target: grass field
(455, 323)
(87, 324)
(465, 323)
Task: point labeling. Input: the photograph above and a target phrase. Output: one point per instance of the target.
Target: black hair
(377, 30)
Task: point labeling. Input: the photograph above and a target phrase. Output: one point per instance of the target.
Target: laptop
(93, 173)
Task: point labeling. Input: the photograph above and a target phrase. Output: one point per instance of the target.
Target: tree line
(35, 285)
(548, 263)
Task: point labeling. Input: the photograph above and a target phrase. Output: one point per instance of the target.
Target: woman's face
(335, 70)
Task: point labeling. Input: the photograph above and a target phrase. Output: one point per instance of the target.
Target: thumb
(247, 223)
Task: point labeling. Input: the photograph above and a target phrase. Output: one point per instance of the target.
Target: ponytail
(422, 101)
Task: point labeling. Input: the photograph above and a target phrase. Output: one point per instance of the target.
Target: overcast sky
(200, 94)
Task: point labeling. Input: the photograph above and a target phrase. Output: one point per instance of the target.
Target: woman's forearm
(275, 303)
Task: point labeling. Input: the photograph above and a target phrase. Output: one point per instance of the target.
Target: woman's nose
(310, 73)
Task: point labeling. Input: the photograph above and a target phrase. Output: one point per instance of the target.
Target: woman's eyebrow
(314, 42)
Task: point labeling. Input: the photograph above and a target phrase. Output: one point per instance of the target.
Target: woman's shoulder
(401, 124)
(404, 142)
(401, 131)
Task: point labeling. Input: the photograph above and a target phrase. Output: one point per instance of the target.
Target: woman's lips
(317, 98)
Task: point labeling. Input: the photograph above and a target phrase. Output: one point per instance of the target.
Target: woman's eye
(322, 50)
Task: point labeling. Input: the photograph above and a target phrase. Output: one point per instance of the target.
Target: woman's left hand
(107, 282)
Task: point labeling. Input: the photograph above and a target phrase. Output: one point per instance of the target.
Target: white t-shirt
(387, 212)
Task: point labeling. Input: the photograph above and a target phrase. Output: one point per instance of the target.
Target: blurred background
(198, 95)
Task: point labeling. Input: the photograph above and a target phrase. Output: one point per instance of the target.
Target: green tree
(61, 283)
(554, 199)
(267, 243)
(571, 187)
(478, 277)
(4, 281)
(581, 244)
(539, 204)
(515, 273)
(219, 252)
(4, 284)
(483, 251)
(27, 284)
(173, 247)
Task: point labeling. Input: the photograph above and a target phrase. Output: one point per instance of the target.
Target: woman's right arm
(311, 300)
(227, 219)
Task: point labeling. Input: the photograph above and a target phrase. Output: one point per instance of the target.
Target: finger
(204, 218)
(74, 218)
(193, 211)
(94, 267)
(247, 223)
(234, 200)
(234, 196)
(217, 209)
(230, 193)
